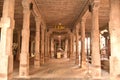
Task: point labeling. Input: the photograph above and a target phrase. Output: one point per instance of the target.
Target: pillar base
(36, 63)
(24, 65)
(6, 67)
(84, 64)
(96, 72)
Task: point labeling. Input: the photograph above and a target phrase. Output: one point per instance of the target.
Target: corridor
(60, 69)
(50, 39)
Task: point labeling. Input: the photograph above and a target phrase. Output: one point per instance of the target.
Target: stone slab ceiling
(65, 12)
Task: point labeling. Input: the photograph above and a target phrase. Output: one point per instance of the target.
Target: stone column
(95, 41)
(24, 56)
(52, 47)
(42, 44)
(66, 48)
(48, 46)
(6, 56)
(37, 44)
(77, 61)
(83, 54)
(114, 28)
(71, 46)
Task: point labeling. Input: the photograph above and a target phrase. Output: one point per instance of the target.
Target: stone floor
(59, 69)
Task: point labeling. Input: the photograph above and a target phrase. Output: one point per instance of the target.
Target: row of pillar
(114, 28)
(6, 56)
(96, 65)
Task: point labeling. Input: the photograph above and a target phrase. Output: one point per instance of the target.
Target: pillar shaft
(46, 46)
(37, 44)
(6, 57)
(95, 41)
(83, 54)
(71, 46)
(114, 28)
(42, 45)
(52, 47)
(24, 56)
(66, 48)
(77, 44)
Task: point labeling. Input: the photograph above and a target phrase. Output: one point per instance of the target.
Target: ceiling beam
(83, 11)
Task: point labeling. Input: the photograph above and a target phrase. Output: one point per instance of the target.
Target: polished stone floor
(60, 69)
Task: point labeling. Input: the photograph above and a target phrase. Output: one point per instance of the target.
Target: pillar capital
(38, 23)
(38, 19)
(26, 6)
(83, 20)
(96, 4)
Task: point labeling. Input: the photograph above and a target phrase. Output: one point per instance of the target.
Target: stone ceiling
(65, 12)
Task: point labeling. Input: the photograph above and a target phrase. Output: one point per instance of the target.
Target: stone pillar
(24, 56)
(95, 41)
(42, 44)
(77, 61)
(37, 44)
(114, 28)
(52, 47)
(6, 56)
(66, 48)
(83, 54)
(48, 46)
(71, 46)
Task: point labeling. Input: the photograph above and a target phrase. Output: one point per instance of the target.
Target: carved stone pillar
(37, 43)
(46, 46)
(66, 48)
(24, 56)
(6, 57)
(96, 64)
(71, 46)
(52, 47)
(83, 54)
(42, 44)
(77, 61)
(114, 28)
